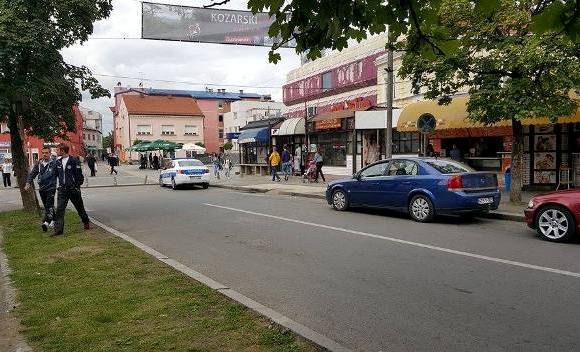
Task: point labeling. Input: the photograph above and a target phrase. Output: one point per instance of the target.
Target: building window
(220, 105)
(221, 133)
(84, 136)
(191, 130)
(235, 115)
(168, 130)
(327, 81)
(143, 129)
(221, 118)
(406, 142)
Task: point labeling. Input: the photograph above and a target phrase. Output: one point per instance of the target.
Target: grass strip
(89, 291)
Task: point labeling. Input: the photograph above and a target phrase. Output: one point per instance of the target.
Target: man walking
(319, 160)
(45, 170)
(274, 162)
(70, 179)
(6, 172)
(92, 163)
(113, 161)
(286, 163)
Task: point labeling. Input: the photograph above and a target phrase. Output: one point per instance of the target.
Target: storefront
(548, 148)
(255, 145)
(331, 134)
(292, 134)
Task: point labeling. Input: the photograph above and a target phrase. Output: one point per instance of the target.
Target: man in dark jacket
(92, 162)
(45, 170)
(70, 178)
(113, 161)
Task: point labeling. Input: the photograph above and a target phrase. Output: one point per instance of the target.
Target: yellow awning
(454, 115)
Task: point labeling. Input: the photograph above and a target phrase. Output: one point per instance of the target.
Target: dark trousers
(47, 198)
(6, 179)
(319, 172)
(93, 171)
(274, 170)
(64, 194)
(113, 170)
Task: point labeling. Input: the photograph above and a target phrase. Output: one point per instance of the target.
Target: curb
(499, 215)
(127, 185)
(306, 333)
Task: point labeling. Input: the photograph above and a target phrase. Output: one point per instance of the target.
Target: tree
(108, 141)
(137, 141)
(200, 144)
(38, 89)
(228, 145)
(510, 72)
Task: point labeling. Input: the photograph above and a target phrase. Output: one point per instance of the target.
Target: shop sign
(355, 104)
(233, 135)
(275, 131)
(328, 124)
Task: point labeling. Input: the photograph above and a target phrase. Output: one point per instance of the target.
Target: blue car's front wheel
(339, 200)
(421, 208)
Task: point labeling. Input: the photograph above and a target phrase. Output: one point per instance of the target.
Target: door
(402, 179)
(366, 190)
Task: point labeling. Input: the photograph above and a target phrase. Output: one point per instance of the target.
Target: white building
(92, 131)
(243, 112)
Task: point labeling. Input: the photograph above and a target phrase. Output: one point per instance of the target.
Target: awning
(291, 127)
(454, 115)
(254, 135)
(342, 114)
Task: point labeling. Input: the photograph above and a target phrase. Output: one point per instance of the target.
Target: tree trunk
(517, 161)
(20, 162)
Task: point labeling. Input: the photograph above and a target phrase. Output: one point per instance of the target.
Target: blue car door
(402, 179)
(365, 191)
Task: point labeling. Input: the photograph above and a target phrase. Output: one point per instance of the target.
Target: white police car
(184, 172)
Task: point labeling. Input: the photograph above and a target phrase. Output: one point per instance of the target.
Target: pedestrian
(286, 163)
(150, 160)
(298, 168)
(113, 161)
(92, 163)
(7, 172)
(319, 160)
(216, 165)
(455, 153)
(45, 170)
(228, 167)
(156, 162)
(274, 160)
(70, 178)
(430, 152)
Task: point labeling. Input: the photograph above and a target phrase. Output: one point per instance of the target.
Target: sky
(152, 60)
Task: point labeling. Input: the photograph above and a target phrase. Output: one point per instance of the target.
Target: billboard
(194, 24)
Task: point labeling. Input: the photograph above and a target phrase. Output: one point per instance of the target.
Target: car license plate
(483, 201)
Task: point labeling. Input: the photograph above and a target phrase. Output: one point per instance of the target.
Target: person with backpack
(45, 171)
(286, 163)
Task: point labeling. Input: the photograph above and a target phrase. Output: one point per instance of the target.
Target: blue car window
(403, 168)
(448, 167)
(375, 170)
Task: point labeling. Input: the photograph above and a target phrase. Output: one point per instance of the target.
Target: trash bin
(507, 178)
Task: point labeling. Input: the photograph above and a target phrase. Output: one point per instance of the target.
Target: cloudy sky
(106, 54)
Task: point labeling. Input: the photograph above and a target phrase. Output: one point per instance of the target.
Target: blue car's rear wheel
(339, 200)
(421, 208)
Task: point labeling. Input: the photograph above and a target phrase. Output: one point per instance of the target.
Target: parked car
(423, 187)
(178, 172)
(556, 215)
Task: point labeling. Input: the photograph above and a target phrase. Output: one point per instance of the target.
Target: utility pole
(389, 95)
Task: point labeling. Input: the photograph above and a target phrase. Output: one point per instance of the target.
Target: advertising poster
(545, 161)
(545, 143)
(371, 148)
(545, 177)
(194, 24)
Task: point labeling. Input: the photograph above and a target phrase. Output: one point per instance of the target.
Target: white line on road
(411, 243)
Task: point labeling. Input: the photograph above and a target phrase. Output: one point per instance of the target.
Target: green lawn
(90, 291)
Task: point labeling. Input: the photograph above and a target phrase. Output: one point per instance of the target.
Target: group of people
(62, 176)
(112, 160)
(286, 160)
(150, 161)
(221, 162)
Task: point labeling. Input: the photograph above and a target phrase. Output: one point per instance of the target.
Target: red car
(556, 215)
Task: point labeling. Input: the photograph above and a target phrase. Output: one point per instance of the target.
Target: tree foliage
(330, 24)
(228, 145)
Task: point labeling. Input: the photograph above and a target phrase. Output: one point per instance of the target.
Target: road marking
(410, 243)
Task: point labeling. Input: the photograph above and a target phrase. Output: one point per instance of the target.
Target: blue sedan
(423, 187)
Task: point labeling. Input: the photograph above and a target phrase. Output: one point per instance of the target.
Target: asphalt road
(372, 281)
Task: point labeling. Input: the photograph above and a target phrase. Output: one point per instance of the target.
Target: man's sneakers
(44, 226)
(87, 226)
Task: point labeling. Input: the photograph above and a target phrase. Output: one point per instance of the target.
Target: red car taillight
(455, 183)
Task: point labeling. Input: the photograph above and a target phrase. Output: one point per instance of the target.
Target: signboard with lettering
(327, 124)
(194, 24)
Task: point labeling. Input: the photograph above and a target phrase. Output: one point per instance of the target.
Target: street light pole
(389, 95)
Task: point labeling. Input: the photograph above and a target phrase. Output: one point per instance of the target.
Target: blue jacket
(72, 175)
(46, 175)
(286, 156)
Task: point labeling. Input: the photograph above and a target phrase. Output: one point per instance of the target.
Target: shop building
(256, 145)
(328, 92)
(92, 132)
(242, 112)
